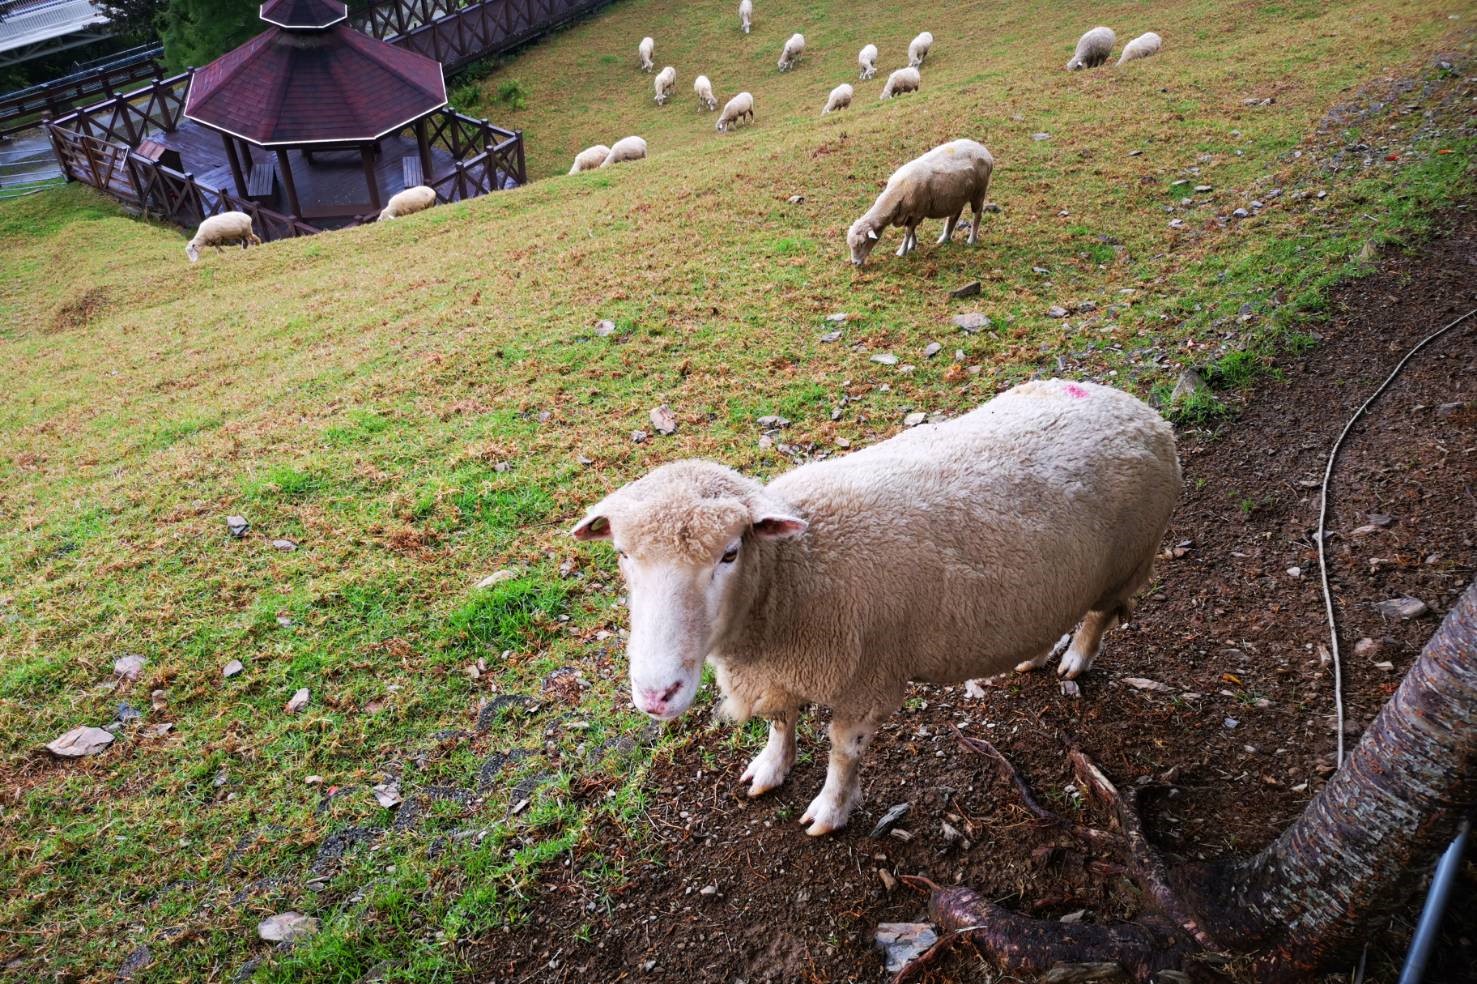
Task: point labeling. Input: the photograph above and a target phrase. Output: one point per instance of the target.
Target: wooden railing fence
(24, 108)
(457, 34)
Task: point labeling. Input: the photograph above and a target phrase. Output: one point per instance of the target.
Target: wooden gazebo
(311, 85)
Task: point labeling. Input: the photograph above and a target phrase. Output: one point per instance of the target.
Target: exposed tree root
(1165, 944)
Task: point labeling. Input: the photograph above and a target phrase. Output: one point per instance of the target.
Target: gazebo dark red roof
(313, 83)
(340, 86)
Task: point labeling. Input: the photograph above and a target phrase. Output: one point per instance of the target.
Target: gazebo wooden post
(423, 144)
(366, 153)
(235, 159)
(285, 169)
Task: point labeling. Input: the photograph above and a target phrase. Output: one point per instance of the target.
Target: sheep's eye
(621, 554)
(730, 555)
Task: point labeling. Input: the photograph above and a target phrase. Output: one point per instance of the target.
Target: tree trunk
(1361, 848)
(1368, 838)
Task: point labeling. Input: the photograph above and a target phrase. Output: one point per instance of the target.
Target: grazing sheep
(840, 98)
(646, 49)
(950, 551)
(1093, 48)
(664, 83)
(794, 48)
(1143, 46)
(901, 81)
(918, 49)
(739, 107)
(867, 59)
(704, 90)
(625, 149)
(590, 158)
(408, 202)
(225, 229)
(935, 186)
(746, 14)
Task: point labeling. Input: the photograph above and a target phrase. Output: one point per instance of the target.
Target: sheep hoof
(828, 813)
(766, 772)
(1074, 664)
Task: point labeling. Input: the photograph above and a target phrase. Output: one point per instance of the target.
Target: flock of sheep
(938, 185)
(1003, 538)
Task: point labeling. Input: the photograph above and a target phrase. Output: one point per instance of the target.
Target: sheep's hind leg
(974, 227)
(843, 789)
(1026, 666)
(771, 766)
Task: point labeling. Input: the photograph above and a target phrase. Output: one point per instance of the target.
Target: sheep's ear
(779, 527)
(871, 233)
(593, 527)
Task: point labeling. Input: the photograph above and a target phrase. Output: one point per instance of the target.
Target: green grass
(420, 404)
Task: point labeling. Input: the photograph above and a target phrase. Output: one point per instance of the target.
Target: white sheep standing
(918, 49)
(1093, 48)
(867, 59)
(704, 90)
(645, 50)
(224, 229)
(746, 14)
(794, 48)
(625, 149)
(951, 551)
(840, 98)
(664, 83)
(408, 202)
(738, 108)
(937, 185)
(1143, 46)
(901, 81)
(590, 158)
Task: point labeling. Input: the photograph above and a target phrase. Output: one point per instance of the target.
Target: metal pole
(1429, 927)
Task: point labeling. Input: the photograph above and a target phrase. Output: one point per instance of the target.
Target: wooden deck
(326, 187)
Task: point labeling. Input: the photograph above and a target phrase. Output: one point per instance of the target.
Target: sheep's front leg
(909, 240)
(771, 766)
(843, 789)
(949, 225)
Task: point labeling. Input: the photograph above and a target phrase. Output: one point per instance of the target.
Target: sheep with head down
(951, 551)
(664, 85)
(704, 89)
(937, 185)
(901, 81)
(644, 52)
(840, 98)
(746, 14)
(740, 107)
(1143, 46)
(1093, 48)
(590, 158)
(794, 48)
(867, 59)
(222, 229)
(625, 149)
(918, 49)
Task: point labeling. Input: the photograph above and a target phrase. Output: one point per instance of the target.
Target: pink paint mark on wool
(1076, 392)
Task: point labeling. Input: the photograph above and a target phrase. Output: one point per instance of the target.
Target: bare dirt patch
(1233, 626)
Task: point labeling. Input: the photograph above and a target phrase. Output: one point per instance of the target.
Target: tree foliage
(196, 31)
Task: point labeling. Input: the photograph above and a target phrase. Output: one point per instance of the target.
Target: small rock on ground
(79, 742)
(237, 526)
(1402, 608)
(286, 926)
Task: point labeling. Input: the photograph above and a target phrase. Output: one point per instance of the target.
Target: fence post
(522, 166)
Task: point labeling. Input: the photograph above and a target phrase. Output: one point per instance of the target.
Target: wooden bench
(410, 170)
(261, 183)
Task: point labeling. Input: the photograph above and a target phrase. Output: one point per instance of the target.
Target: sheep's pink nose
(654, 703)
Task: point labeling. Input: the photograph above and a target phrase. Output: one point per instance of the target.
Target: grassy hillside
(418, 405)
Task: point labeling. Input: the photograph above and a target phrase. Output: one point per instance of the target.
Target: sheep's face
(1074, 64)
(684, 536)
(861, 237)
(193, 252)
